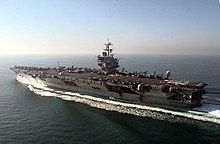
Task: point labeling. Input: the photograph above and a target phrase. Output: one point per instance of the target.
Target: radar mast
(107, 62)
(107, 48)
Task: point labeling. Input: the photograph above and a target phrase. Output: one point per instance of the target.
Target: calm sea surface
(26, 117)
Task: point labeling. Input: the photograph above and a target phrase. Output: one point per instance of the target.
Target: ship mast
(107, 62)
(107, 48)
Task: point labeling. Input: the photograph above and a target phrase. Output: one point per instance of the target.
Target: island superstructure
(110, 83)
(107, 62)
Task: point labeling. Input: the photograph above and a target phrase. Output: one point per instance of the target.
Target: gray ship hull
(154, 98)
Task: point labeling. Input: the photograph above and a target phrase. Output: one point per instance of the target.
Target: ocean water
(30, 116)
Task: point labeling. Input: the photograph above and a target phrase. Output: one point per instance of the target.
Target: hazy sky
(134, 26)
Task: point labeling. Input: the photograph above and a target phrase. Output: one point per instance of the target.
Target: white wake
(208, 112)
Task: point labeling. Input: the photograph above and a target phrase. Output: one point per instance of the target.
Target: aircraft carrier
(109, 83)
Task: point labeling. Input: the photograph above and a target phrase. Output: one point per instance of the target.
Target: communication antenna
(107, 47)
